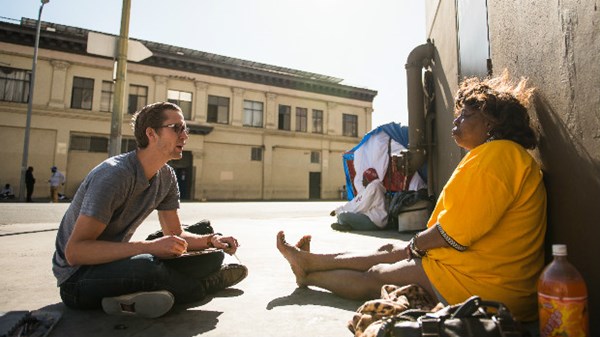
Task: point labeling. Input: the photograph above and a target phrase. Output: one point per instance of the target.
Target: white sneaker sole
(143, 304)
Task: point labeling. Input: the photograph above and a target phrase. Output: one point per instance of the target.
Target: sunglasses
(178, 128)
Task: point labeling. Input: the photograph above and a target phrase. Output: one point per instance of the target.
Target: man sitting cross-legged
(95, 263)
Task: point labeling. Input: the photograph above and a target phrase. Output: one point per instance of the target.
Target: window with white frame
(106, 96)
(253, 114)
(14, 84)
(315, 157)
(301, 119)
(98, 144)
(350, 125)
(128, 145)
(138, 98)
(183, 99)
(82, 93)
(284, 117)
(88, 143)
(218, 110)
(317, 121)
(256, 154)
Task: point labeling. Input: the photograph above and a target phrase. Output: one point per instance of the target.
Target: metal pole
(119, 102)
(30, 104)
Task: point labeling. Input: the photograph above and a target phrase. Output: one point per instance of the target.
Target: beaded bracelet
(450, 240)
(415, 252)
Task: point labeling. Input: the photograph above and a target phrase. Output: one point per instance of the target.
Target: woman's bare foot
(290, 253)
(304, 243)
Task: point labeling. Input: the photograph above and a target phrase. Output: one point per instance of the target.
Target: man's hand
(332, 213)
(167, 246)
(227, 243)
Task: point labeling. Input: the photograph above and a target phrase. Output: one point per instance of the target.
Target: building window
(183, 99)
(83, 93)
(138, 98)
(106, 98)
(301, 119)
(350, 125)
(128, 145)
(285, 112)
(317, 119)
(253, 114)
(218, 110)
(315, 157)
(89, 143)
(256, 154)
(14, 85)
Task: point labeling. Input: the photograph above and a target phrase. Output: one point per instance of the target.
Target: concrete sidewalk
(266, 303)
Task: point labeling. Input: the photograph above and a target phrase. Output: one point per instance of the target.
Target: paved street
(267, 303)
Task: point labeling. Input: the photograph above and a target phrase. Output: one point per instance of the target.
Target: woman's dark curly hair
(150, 116)
(503, 103)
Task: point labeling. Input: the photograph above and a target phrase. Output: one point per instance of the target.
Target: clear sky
(365, 42)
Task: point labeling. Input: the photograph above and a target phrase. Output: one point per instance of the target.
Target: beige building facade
(258, 132)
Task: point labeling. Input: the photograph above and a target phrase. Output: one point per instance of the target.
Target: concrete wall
(441, 28)
(556, 45)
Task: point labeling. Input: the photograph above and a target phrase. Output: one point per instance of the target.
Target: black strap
(468, 308)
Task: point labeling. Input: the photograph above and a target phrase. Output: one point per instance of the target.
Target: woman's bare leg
(351, 275)
(304, 262)
(359, 285)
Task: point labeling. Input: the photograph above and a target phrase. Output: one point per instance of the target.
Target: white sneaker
(149, 304)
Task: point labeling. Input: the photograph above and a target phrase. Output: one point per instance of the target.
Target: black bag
(468, 319)
(403, 200)
(201, 227)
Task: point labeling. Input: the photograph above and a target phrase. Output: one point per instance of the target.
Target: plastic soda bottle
(562, 298)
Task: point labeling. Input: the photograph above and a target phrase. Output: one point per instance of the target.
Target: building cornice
(74, 40)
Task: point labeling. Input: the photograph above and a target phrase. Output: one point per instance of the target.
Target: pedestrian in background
(29, 182)
(57, 179)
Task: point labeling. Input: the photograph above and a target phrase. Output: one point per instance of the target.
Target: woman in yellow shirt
(485, 236)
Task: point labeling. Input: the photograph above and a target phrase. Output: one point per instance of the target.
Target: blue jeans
(357, 221)
(181, 276)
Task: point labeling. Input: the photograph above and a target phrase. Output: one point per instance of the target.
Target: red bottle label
(564, 317)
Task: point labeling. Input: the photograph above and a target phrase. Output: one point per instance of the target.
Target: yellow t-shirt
(495, 205)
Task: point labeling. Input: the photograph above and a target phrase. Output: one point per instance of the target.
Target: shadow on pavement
(180, 322)
(184, 320)
(306, 296)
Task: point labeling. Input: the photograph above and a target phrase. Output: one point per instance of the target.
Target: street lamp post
(114, 146)
(30, 103)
